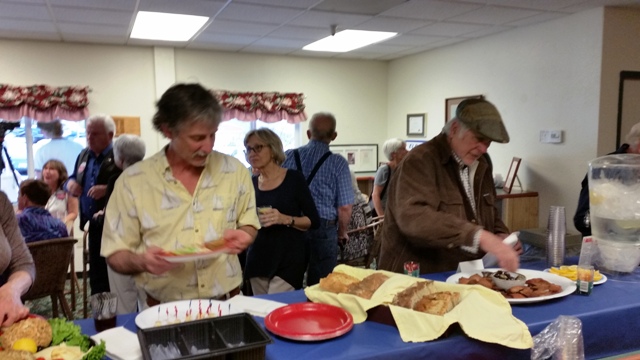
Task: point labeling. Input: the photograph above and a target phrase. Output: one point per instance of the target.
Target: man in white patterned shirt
(182, 197)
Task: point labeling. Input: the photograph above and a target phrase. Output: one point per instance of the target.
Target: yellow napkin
(483, 314)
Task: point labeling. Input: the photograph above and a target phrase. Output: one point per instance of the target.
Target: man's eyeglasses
(256, 149)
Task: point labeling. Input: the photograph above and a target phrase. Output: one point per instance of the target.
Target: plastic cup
(263, 209)
(103, 309)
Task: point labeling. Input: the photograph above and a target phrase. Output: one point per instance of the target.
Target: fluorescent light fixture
(348, 40)
(165, 26)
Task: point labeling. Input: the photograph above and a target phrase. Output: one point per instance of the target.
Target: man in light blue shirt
(57, 148)
(329, 180)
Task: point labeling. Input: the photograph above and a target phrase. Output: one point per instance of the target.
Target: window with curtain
(244, 111)
(25, 106)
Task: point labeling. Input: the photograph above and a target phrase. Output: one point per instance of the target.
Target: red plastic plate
(309, 321)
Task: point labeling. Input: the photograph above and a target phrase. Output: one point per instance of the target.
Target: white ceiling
(284, 26)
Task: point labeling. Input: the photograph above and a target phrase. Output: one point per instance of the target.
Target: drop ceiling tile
(300, 32)
(255, 49)
(214, 46)
(23, 11)
(226, 39)
(494, 15)
(431, 9)
(96, 39)
(91, 29)
(31, 26)
(547, 5)
(92, 16)
(296, 4)
(239, 27)
(325, 19)
(488, 31)
(385, 23)
(95, 4)
(448, 29)
(260, 14)
(363, 7)
(187, 7)
(29, 35)
(316, 54)
(536, 19)
(414, 40)
(293, 44)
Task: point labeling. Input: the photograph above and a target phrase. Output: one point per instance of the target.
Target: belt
(331, 222)
(151, 301)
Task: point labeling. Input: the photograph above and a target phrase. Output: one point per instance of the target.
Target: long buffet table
(610, 323)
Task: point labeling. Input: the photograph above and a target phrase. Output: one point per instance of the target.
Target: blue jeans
(323, 250)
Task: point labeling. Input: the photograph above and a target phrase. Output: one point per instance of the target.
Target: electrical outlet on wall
(551, 136)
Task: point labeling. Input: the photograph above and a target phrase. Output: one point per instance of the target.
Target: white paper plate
(568, 286)
(165, 314)
(601, 281)
(204, 255)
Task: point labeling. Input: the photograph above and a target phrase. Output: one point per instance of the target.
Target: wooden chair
(85, 272)
(52, 258)
(74, 284)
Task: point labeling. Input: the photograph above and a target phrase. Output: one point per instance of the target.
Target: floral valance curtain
(43, 103)
(269, 107)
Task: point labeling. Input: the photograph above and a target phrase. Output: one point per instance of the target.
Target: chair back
(52, 259)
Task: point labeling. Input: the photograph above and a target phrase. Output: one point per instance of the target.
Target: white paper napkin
(122, 344)
(254, 306)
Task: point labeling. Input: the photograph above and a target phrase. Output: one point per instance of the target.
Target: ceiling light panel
(166, 27)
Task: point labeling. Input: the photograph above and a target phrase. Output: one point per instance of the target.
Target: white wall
(545, 76)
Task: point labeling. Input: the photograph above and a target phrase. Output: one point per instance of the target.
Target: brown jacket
(428, 217)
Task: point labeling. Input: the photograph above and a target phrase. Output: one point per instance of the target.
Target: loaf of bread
(337, 282)
(368, 285)
(408, 297)
(438, 303)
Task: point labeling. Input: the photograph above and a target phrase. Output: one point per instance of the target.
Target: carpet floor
(43, 307)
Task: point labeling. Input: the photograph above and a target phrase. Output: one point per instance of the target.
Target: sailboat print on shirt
(116, 225)
(197, 206)
(217, 202)
(233, 267)
(188, 221)
(169, 200)
(147, 221)
(227, 165)
(242, 189)
(211, 234)
(207, 182)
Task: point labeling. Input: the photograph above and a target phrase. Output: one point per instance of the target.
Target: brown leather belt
(153, 302)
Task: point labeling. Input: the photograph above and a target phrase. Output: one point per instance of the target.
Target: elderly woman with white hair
(394, 149)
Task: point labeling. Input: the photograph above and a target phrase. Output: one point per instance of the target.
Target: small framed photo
(415, 124)
(413, 143)
(512, 174)
(451, 104)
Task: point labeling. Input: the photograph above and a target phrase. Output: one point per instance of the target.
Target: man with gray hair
(57, 148)
(441, 207)
(91, 173)
(582, 219)
(329, 180)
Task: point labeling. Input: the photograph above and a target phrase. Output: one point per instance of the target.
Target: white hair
(392, 145)
(129, 149)
(105, 120)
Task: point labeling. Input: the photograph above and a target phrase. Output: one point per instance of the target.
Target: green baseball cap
(482, 117)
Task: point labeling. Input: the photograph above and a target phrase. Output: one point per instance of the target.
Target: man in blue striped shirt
(329, 180)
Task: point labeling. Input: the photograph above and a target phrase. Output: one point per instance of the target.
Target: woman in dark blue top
(277, 259)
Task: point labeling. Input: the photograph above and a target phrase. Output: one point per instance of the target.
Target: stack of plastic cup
(556, 230)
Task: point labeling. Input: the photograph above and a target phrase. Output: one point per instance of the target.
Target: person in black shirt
(278, 258)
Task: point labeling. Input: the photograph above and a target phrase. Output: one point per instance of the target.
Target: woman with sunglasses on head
(277, 260)
(61, 204)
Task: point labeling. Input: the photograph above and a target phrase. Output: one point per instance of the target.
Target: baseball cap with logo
(483, 118)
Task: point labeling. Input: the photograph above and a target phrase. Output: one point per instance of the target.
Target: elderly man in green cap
(441, 206)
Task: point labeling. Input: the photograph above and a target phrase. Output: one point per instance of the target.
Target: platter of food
(539, 285)
(38, 338)
(309, 321)
(192, 253)
(571, 273)
(183, 311)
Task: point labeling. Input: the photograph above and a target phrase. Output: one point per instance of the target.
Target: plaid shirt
(331, 187)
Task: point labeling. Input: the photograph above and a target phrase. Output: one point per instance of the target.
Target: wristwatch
(293, 222)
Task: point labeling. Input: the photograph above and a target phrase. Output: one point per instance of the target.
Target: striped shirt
(331, 187)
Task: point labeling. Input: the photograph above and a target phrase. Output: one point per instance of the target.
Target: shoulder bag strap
(384, 189)
(317, 167)
(296, 155)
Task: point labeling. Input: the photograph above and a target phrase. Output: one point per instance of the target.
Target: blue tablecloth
(610, 323)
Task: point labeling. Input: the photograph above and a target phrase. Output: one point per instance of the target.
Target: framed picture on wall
(512, 174)
(415, 124)
(413, 143)
(451, 104)
(361, 157)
